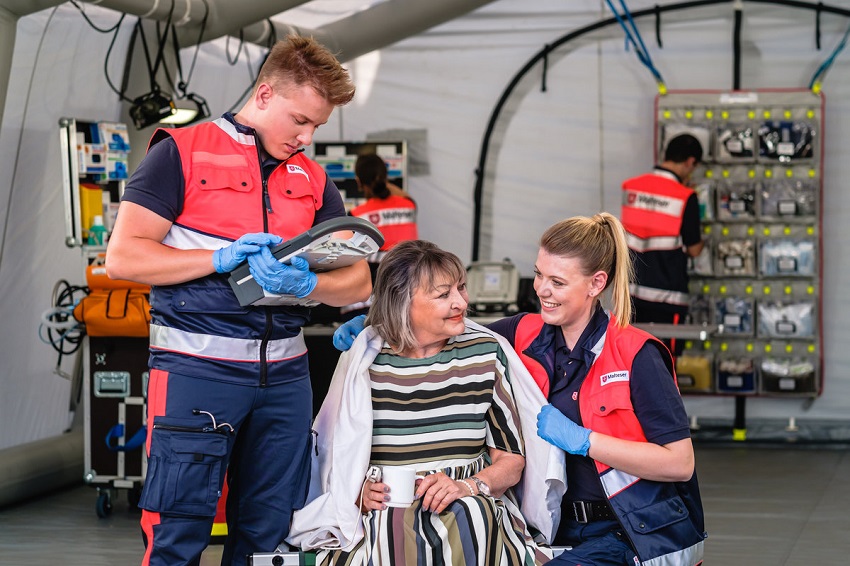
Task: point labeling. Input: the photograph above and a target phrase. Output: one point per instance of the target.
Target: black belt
(589, 511)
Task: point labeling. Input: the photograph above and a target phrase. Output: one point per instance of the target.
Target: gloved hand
(228, 258)
(555, 428)
(294, 278)
(344, 335)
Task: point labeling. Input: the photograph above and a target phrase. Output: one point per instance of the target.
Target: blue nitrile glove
(555, 428)
(294, 278)
(228, 258)
(344, 335)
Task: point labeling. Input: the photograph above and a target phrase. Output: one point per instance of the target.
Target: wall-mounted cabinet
(758, 278)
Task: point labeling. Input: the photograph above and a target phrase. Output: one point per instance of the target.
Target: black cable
(154, 67)
(66, 337)
(241, 97)
(120, 93)
(817, 25)
(160, 54)
(736, 50)
(545, 73)
(272, 39)
(128, 59)
(151, 77)
(235, 59)
(183, 83)
(116, 28)
(658, 27)
(197, 44)
(91, 23)
(11, 193)
(251, 85)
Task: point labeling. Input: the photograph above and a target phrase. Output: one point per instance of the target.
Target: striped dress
(440, 414)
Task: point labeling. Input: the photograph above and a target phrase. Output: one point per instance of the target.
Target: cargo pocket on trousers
(184, 470)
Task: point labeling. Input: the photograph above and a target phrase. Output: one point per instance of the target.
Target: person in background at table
(614, 407)
(661, 216)
(388, 207)
(229, 385)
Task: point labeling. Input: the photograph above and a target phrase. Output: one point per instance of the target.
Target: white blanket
(331, 518)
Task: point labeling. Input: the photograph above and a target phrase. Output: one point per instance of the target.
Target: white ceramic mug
(402, 483)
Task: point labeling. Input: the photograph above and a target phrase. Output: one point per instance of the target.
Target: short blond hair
(299, 61)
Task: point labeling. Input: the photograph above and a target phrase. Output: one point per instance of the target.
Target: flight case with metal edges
(115, 390)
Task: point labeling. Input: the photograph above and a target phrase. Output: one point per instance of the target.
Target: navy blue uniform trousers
(198, 429)
(600, 543)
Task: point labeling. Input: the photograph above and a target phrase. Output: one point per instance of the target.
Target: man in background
(661, 216)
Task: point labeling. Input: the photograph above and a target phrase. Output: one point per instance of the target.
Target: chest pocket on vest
(610, 398)
(292, 200)
(216, 177)
(223, 199)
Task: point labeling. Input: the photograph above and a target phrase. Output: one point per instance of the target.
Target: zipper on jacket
(264, 344)
(267, 209)
(268, 202)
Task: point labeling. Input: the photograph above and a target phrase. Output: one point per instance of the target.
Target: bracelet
(471, 491)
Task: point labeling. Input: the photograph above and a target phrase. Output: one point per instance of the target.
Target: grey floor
(765, 505)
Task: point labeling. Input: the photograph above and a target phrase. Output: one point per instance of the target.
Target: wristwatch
(483, 488)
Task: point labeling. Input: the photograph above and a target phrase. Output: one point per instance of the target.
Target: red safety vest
(198, 327)
(395, 217)
(224, 186)
(664, 520)
(606, 387)
(652, 212)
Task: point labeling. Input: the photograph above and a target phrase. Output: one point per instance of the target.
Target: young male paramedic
(229, 386)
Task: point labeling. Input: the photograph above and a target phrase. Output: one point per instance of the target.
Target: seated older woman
(425, 388)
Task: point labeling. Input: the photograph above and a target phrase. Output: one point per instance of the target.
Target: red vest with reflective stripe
(605, 400)
(653, 206)
(606, 387)
(198, 327)
(395, 217)
(224, 186)
(653, 514)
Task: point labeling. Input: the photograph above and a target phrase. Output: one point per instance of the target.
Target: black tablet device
(330, 245)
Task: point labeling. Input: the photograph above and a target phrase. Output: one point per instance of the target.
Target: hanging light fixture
(150, 108)
(193, 108)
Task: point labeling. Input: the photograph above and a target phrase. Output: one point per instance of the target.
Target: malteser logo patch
(614, 376)
(296, 169)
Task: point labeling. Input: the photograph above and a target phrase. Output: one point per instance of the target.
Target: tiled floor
(765, 505)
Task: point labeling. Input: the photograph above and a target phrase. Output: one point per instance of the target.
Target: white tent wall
(57, 71)
(562, 152)
(53, 75)
(565, 151)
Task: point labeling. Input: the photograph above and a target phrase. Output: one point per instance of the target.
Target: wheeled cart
(115, 388)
